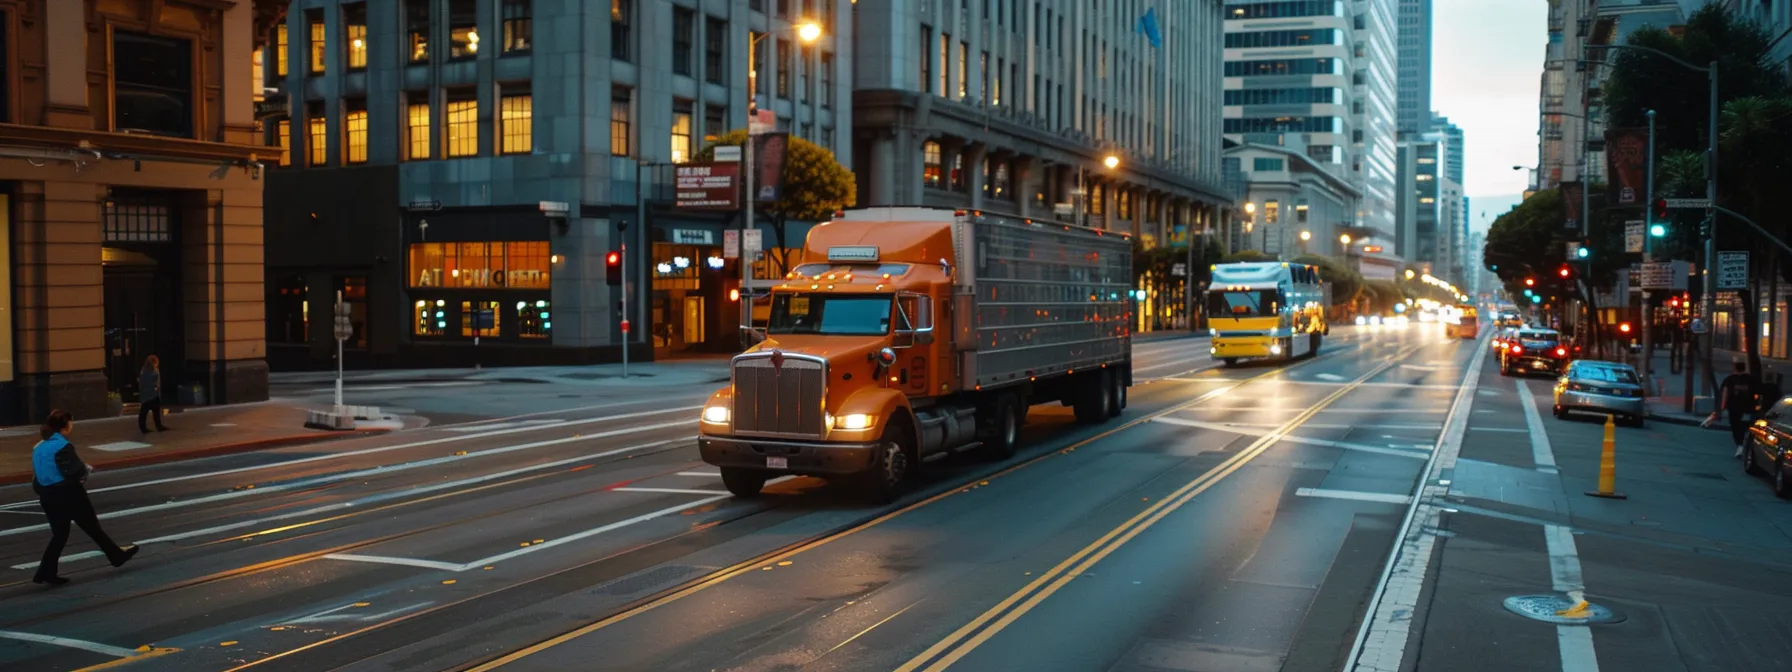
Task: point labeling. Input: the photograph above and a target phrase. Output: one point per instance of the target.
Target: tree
(1641, 81)
(1247, 256)
(1346, 283)
(815, 187)
(1383, 294)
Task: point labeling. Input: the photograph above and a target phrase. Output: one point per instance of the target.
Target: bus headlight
(1275, 349)
(716, 415)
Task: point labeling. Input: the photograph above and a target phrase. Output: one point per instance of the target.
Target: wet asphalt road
(1232, 519)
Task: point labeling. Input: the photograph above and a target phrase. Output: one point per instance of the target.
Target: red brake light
(1516, 349)
(1561, 352)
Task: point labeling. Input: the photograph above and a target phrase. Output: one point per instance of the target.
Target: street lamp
(1082, 188)
(808, 32)
(1345, 239)
(1409, 274)
(1111, 162)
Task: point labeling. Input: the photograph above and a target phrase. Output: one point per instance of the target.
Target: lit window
(519, 26)
(284, 130)
(931, 168)
(317, 43)
(319, 140)
(463, 127)
(1423, 178)
(463, 29)
(280, 49)
(516, 115)
(354, 128)
(619, 122)
(534, 319)
(681, 134)
(354, 19)
(479, 318)
(431, 318)
(416, 18)
(1427, 199)
(417, 130)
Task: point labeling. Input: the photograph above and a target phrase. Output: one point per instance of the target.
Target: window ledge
(148, 146)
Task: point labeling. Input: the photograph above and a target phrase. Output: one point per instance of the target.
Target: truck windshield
(831, 314)
(1243, 303)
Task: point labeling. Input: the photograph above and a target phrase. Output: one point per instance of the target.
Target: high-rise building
(1562, 104)
(1415, 65)
(1433, 224)
(1776, 17)
(1318, 77)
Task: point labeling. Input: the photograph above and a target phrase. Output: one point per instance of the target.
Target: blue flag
(1148, 26)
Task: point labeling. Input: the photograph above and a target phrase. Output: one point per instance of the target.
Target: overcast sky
(1487, 60)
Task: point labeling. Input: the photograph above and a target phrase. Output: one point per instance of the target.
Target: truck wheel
(1006, 439)
(891, 468)
(743, 482)
(1093, 399)
(1317, 340)
(1230, 361)
(1116, 395)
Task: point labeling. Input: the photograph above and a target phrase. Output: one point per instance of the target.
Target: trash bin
(192, 394)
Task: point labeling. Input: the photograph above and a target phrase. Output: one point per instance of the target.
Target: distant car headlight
(1360, 320)
(716, 415)
(852, 421)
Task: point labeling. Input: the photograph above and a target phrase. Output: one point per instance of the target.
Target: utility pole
(1648, 245)
(1710, 233)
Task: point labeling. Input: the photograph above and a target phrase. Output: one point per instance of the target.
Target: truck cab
(1266, 310)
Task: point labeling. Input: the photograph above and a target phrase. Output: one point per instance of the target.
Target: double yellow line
(973, 634)
(777, 556)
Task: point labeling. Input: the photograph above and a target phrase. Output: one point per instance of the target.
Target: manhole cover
(1545, 608)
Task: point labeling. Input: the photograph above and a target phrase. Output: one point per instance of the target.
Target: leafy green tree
(1641, 81)
(815, 187)
(1247, 256)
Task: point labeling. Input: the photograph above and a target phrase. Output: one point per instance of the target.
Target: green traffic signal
(1658, 230)
(1536, 299)
(1582, 252)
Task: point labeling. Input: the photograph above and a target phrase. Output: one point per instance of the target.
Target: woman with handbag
(60, 479)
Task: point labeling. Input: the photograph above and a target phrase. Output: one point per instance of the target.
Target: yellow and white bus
(1266, 310)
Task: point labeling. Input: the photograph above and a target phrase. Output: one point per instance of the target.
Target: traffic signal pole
(1648, 246)
(1706, 302)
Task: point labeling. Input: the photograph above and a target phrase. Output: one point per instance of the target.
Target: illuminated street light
(1250, 208)
(810, 32)
(1306, 236)
(1409, 274)
(1345, 239)
(1112, 162)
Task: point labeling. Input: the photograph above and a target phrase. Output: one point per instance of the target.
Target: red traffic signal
(1661, 209)
(1563, 271)
(613, 268)
(1624, 327)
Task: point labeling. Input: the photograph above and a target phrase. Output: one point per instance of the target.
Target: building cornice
(102, 144)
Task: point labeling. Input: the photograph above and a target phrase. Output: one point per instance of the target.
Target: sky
(1487, 61)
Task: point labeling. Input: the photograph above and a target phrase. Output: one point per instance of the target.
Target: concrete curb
(204, 451)
(1687, 420)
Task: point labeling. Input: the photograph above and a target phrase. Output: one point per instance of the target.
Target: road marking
(370, 499)
(1390, 411)
(669, 491)
(337, 614)
(1388, 498)
(1319, 425)
(65, 642)
(1574, 642)
(505, 425)
(1382, 637)
(1329, 377)
(1293, 438)
(967, 638)
(23, 513)
(511, 555)
(1499, 429)
(393, 560)
(701, 474)
(1541, 454)
(117, 446)
(373, 450)
(351, 475)
(223, 424)
(408, 386)
(1409, 386)
(753, 565)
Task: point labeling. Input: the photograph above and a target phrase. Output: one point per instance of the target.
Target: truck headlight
(716, 415)
(852, 421)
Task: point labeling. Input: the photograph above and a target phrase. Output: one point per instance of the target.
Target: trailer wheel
(1116, 395)
(1006, 439)
(1230, 361)
(1093, 399)
(743, 482)
(1318, 339)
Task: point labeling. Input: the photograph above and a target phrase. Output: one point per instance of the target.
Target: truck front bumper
(809, 458)
(1242, 346)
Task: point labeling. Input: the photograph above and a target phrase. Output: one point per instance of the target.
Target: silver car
(1603, 388)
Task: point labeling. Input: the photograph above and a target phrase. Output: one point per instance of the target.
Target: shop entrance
(142, 289)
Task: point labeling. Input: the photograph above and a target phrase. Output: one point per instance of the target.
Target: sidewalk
(1671, 404)
(681, 372)
(113, 443)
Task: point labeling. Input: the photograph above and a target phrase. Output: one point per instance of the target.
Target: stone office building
(460, 169)
(130, 184)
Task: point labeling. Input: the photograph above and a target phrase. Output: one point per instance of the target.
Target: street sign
(707, 186)
(1633, 236)
(1573, 250)
(728, 154)
(1688, 203)
(731, 244)
(426, 206)
(755, 241)
(1657, 275)
(344, 328)
(1732, 270)
(761, 122)
(1179, 270)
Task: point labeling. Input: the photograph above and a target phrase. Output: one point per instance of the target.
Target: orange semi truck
(925, 332)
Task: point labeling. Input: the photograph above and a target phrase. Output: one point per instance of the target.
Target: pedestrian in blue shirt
(149, 395)
(59, 477)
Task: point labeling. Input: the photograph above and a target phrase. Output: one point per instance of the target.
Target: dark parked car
(1534, 351)
(1769, 447)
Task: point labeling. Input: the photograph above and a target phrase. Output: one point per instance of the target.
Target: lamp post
(809, 32)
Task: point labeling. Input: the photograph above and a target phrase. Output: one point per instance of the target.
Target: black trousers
(1738, 426)
(66, 503)
(147, 410)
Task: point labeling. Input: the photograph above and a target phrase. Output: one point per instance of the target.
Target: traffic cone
(1608, 467)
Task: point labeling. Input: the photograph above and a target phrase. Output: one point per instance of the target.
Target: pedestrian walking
(149, 395)
(1738, 399)
(60, 479)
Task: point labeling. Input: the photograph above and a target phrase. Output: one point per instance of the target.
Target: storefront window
(431, 318)
(533, 319)
(479, 318)
(499, 265)
(290, 311)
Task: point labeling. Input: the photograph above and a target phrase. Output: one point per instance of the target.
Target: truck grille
(783, 402)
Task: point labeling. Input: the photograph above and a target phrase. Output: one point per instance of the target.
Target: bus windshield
(830, 314)
(1243, 303)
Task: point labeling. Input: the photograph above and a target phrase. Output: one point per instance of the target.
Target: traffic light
(1658, 230)
(1582, 252)
(613, 268)
(1624, 327)
(1530, 282)
(1661, 210)
(1564, 271)
(1536, 299)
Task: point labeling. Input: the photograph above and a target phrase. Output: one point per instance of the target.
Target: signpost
(344, 330)
(706, 186)
(1732, 270)
(731, 244)
(1664, 275)
(1688, 203)
(1633, 236)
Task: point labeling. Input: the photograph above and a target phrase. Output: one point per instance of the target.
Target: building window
(280, 50)
(684, 28)
(416, 20)
(354, 28)
(416, 127)
(619, 122)
(479, 318)
(827, 80)
(534, 319)
(783, 69)
(463, 29)
(783, 7)
(932, 170)
(715, 45)
(945, 61)
(463, 124)
(317, 136)
(136, 217)
(715, 122)
(999, 186)
(431, 318)
(152, 85)
(516, 123)
(283, 131)
(1264, 164)
(983, 63)
(827, 137)
(354, 131)
(926, 58)
(681, 131)
(958, 179)
(964, 73)
(315, 20)
(480, 265)
(519, 26)
(619, 30)
(290, 313)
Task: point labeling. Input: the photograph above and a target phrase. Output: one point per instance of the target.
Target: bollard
(1608, 467)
